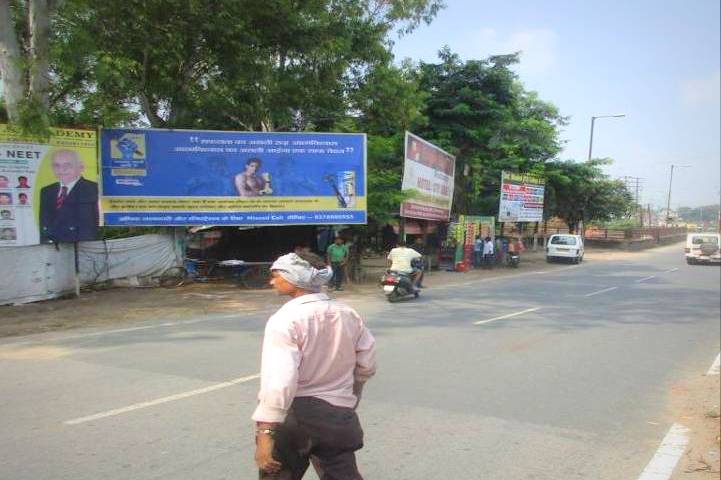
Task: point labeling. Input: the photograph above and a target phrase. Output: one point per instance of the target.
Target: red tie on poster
(61, 197)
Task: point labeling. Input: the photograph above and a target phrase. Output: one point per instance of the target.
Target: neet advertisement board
(428, 175)
(521, 198)
(191, 177)
(48, 187)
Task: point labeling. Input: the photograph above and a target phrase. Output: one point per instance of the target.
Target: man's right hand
(264, 454)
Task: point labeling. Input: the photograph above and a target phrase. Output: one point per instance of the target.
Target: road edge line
(668, 454)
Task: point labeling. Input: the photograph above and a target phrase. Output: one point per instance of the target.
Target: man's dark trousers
(316, 431)
(337, 280)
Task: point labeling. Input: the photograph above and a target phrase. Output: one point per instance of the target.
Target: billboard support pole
(402, 229)
(77, 270)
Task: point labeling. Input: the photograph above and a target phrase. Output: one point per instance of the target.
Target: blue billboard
(192, 177)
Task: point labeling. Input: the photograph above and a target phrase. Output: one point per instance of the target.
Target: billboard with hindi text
(191, 177)
(428, 178)
(521, 198)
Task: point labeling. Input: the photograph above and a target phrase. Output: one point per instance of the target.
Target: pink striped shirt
(313, 347)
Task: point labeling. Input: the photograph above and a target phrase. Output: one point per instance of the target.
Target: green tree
(479, 111)
(580, 192)
(386, 103)
(240, 64)
(25, 31)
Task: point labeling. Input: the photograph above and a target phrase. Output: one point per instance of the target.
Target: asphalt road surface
(563, 374)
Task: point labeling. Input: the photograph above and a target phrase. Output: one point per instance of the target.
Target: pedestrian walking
(337, 256)
(317, 356)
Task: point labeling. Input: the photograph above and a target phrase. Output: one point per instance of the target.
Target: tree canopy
(292, 65)
(580, 192)
(479, 111)
(245, 65)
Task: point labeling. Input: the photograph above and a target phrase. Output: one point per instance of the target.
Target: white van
(703, 248)
(564, 246)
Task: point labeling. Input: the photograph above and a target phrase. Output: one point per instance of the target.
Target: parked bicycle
(251, 275)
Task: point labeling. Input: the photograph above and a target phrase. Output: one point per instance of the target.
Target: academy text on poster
(48, 187)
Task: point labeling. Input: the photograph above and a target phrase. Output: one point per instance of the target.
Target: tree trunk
(39, 26)
(10, 63)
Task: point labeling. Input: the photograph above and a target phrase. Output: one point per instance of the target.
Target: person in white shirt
(488, 253)
(400, 259)
(317, 356)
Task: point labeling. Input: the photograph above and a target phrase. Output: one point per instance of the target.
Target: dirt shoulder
(695, 405)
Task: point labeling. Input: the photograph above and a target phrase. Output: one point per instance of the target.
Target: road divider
(159, 401)
(510, 315)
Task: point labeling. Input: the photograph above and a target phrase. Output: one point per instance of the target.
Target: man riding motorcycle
(400, 259)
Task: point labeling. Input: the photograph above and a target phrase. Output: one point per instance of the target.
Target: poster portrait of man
(68, 207)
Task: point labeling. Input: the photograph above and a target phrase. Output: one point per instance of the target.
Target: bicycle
(192, 271)
(250, 275)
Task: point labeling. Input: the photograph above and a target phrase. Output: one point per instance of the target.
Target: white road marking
(672, 447)
(672, 270)
(645, 278)
(158, 401)
(600, 291)
(507, 316)
(714, 370)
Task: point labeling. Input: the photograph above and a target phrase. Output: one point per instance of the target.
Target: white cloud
(702, 91)
(538, 48)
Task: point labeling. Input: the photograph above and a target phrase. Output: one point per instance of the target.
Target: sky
(657, 62)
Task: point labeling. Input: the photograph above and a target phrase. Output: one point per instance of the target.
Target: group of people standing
(486, 253)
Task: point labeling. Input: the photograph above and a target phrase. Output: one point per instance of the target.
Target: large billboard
(521, 198)
(428, 175)
(191, 177)
(48, 187)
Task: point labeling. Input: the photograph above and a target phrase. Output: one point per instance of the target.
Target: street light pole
(593, 122)
(670, 182)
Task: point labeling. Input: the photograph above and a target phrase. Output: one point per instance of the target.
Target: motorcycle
(397, 285)
(513, 259)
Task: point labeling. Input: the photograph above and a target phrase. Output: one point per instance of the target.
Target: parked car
(564, 246)
(703, 248)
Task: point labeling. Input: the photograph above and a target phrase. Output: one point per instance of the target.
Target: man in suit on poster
(68, 207)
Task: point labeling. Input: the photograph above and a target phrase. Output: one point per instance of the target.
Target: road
(564, 374)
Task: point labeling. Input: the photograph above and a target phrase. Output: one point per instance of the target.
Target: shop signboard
(428, 176)
(191, 177)
(521, 198)
(48, 187)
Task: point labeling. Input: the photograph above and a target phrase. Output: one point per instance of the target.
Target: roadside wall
(34, 273)
(41, 272)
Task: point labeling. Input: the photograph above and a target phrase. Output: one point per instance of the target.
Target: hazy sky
(656, 61)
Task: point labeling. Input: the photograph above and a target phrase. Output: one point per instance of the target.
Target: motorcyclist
(515, 247)
(400, 259)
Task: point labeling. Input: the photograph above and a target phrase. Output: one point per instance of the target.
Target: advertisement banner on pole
(521, 198)
(428, 174)
(48, 187)
(192, 177)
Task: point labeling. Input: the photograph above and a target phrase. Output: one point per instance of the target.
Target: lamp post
(670, 182)
(593, 121)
